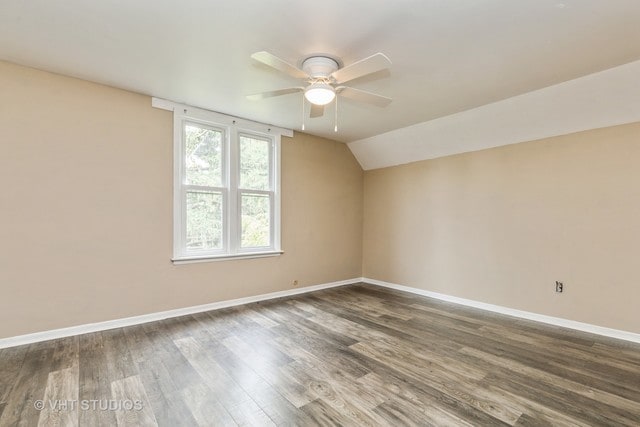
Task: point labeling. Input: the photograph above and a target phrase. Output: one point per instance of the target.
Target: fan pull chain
(302, 111)
(335, 120)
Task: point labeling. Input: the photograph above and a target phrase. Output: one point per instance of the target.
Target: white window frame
(272, 192)
(232, 128)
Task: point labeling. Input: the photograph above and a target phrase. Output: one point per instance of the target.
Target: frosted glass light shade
(320, 94)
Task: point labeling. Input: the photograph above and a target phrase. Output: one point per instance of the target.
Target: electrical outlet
(559, 287)
(295, 283)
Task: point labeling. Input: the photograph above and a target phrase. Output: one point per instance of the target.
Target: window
(226, 186)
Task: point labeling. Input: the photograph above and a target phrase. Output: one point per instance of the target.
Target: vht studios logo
(89, 405)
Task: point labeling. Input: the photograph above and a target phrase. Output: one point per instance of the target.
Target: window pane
(254, 163)
(256, 220)
(203, 156)
(204, 221)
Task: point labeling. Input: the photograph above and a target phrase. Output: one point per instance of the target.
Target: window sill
(211, 258)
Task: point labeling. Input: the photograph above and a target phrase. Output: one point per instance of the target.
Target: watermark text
(89, 405)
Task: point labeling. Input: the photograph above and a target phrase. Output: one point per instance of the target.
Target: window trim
(232, 127)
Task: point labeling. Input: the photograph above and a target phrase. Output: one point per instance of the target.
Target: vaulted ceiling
(448, 56)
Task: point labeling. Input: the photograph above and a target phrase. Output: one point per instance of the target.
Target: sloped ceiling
(607, 98)
(448, 56)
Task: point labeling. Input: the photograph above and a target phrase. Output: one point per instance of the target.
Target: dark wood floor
(356, 355)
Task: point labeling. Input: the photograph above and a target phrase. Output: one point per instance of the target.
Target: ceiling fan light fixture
(320, 93)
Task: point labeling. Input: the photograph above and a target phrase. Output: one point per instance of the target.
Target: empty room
(336, 213)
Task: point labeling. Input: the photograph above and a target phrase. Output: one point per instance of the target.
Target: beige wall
(86, 222)
(501, 225)
(85, 218)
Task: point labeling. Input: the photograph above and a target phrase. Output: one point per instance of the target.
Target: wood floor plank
(29, 386)
(235, 350)
(334, 351)
(165, 398)
(12, 359)
(322, 414)
(61, 398)
(631, 406)
(242, 408)
(94, 380)
(353, 355)
(536, 358)
(432, 382)
(287, 385)
(131, 401)
(336, 394)
(164, 350)
(161, 385)
(280, 410)
(489, 404)
(205, 408)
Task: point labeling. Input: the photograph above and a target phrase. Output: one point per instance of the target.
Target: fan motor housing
(319, 66)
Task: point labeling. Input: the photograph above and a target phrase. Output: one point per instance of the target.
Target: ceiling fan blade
(316, 111)
(369, 65)
(280, 65)
(263, 95)
(363, 96)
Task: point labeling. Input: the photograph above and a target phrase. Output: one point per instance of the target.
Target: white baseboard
(151, 317)
(557, 321)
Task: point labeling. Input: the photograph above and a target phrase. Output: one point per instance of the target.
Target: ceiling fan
(324, 78)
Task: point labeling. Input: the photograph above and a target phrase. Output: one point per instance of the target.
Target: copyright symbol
(39, 405)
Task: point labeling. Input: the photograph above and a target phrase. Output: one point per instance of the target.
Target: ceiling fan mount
(323, 77)
(318, 66)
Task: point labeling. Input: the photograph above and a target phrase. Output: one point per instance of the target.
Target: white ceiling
(448, 55)
(606, 98)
